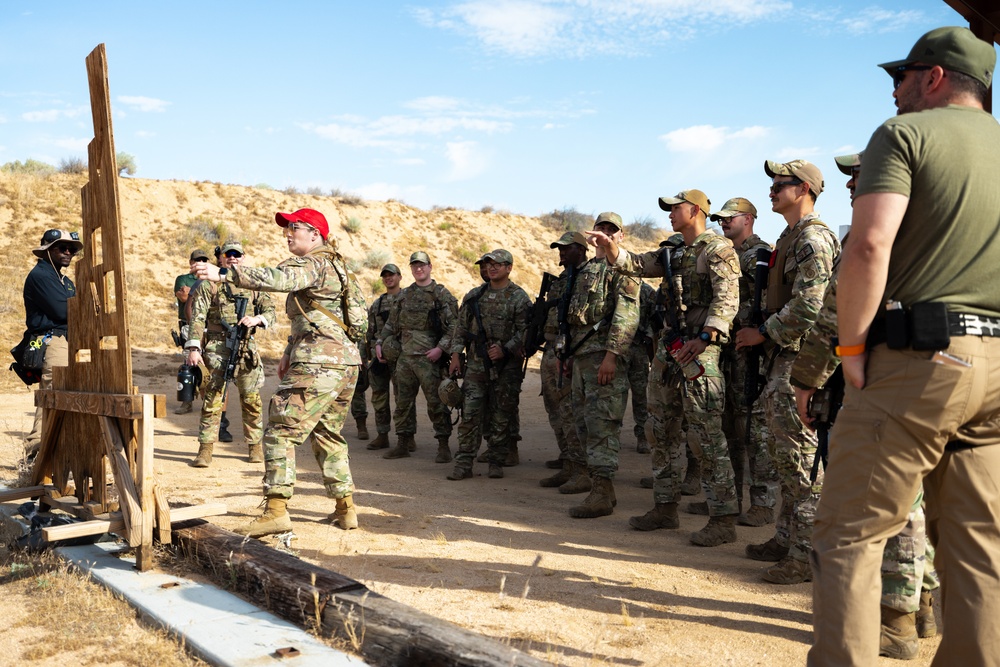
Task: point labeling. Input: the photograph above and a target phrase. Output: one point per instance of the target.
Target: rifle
(562, 340)
(534, 337)
(179, 337)
(823, 408)
(482, 345)
(674, 339)
(753, 381)
(236, 336)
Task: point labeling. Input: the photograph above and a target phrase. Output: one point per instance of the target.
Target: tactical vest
(589, 303)
(696, 281)
(779, 286)
(223, 306)
(419, 309)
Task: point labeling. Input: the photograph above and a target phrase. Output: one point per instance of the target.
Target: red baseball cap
(309, 216)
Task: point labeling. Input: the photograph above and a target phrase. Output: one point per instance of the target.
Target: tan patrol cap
(231, 244)
(420, 256)
(569, 238)
(733, 207)
(696, 197)
(500, 256)
(610, 218)
(803, 170)
(848, 163)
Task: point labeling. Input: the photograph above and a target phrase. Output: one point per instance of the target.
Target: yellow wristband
(849, 350)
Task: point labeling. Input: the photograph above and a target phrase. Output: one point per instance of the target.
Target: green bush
(643, 228)
(445, 226)
(465, 255)
(353, 225)
(291, 190)
(29, 166)
(73, 165)
(263, 186)
(567, 220)
(353, 264)
(376, 259)
(126, 163)
(377, 286)
(314, 191)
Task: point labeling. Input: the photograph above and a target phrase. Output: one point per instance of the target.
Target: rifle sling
(315, 306)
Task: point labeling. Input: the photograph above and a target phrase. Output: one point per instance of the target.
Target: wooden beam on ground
(84, 528)
(24, 492)
(127, 494)
(384, 631)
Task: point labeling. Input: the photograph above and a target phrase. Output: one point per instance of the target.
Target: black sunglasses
(778, 187)
(900, 73)
(233, 254)
(65, 247)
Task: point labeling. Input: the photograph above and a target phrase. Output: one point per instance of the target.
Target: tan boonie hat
(610, 218)
(569, 238)
(390, 268)
(500, 256)
(848, 163)
(953, 48)
(420, 256)
(231, 244)
(696, 197)
(805, 171)
(54, 236)
(733, 207)
(198, 255)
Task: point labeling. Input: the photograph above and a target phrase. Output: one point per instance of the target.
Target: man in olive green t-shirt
(925, 230)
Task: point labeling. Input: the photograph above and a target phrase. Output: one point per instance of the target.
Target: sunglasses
(900, 73)
(778, 187)
(64, 248)
(233, 254)
(296, 226)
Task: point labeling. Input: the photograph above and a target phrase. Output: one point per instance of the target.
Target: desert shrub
(445, 226)
(567, 220)
(73, 165)
(354, 264)
(291, 190)
(376, 259)
(486, 209)
(263, 186)
(377, 286)
(314, 191)
(29, 166)
(348, 199)
(126, 163)
(465, 256)
(203, 232)
(353, 225)
(643, 228)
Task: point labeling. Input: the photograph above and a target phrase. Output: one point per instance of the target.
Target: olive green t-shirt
(947, 161)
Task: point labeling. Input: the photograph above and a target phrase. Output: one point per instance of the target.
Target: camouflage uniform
(359, 407)
(380, 375)
(558, 399)
(734, 367)
(212, 306)
(609, 301)
(313, 397)
(908, 557)
(638, 361)
(797, 280)
(490, 398)
(709, 271)
(421, 318)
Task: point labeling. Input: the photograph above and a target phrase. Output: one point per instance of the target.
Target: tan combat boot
(579, 480)
(513, 457)
(691, 486)
(444, 452)
(460, 472)
(380, 442)
(255, 454)
(204, 457)
(770, 551)
(557, 479)
(663, 515)
(345, 516)
(718, 530)
(495, 471)
(926, 623)
(756, 516)
(788, 572)
(699, 508)
(641, 445)
(275, 519)
(899, 635)
(402, 448)
(600, 502)
(362, 428)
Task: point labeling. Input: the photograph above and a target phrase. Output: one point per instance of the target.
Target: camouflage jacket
(807, 265)
(556, 291)
(748, 264)
(315, 339)
(605, 302)
(709, 273)
(214, 304)
(647, 303)
(816, 362)
(504, 314)
(422, 318)
(378, 315)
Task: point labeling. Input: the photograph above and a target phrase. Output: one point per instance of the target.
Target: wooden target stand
(94, 416)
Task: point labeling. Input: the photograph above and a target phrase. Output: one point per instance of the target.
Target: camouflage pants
(638, 381)
(700, 403)
(380, 381)
(763, 476)
(359, 407)
(312, 400)
(489, 410)
(908, 563)
(793, 447)
(559, 407)
(598, 410)
(414, 373)
(248, 378)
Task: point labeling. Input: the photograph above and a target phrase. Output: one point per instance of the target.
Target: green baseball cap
(803, 170)
(569, 238)
(199, 255)
(420, 256)
(848, 163)
(733, 207)
(500, 256)
(231, 244)
(610, 218)
(696, 197)
(390, 268)
(955, 49)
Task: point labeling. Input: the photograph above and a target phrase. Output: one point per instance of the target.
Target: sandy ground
(502, 557)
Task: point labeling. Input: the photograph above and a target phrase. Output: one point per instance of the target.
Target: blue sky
(523, 105)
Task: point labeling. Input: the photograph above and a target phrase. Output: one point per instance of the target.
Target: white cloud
(467, 160)
(875, 20)
(140, 103)
(144, 134)
(703, 139)
(411, 162)
(50, 115)
(71, 143)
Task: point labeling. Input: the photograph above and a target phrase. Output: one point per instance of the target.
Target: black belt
(959, 324)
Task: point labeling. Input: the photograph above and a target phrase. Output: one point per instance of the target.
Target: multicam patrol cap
(390, 268)
(848, 163)
(805, 171)
(734, 207)
(696, 197)
(231, 244)
(198, 255)
(953, 48)
(609, 217)
(500, 256)
(420, 257)
(569, 238)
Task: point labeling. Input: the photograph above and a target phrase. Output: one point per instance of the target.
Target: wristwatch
(705, 336)
(222, 274)
(763, 331)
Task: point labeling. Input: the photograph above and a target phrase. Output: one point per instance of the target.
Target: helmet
(450, 393)
(391, 349)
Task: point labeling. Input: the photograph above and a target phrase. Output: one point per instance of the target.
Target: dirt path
(502, 557)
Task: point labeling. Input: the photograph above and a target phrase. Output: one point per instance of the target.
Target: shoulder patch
(804, 253)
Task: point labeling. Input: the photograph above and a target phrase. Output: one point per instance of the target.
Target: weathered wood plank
(122, 406)
(180, 514)
(146, 482)
(127, 493)
(24, 492)
(384, 631)
(94, 527)
(162, 515)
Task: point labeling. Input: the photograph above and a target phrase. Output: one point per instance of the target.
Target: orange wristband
(849, 350)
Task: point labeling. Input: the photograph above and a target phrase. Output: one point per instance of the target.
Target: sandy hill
(164, 220)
